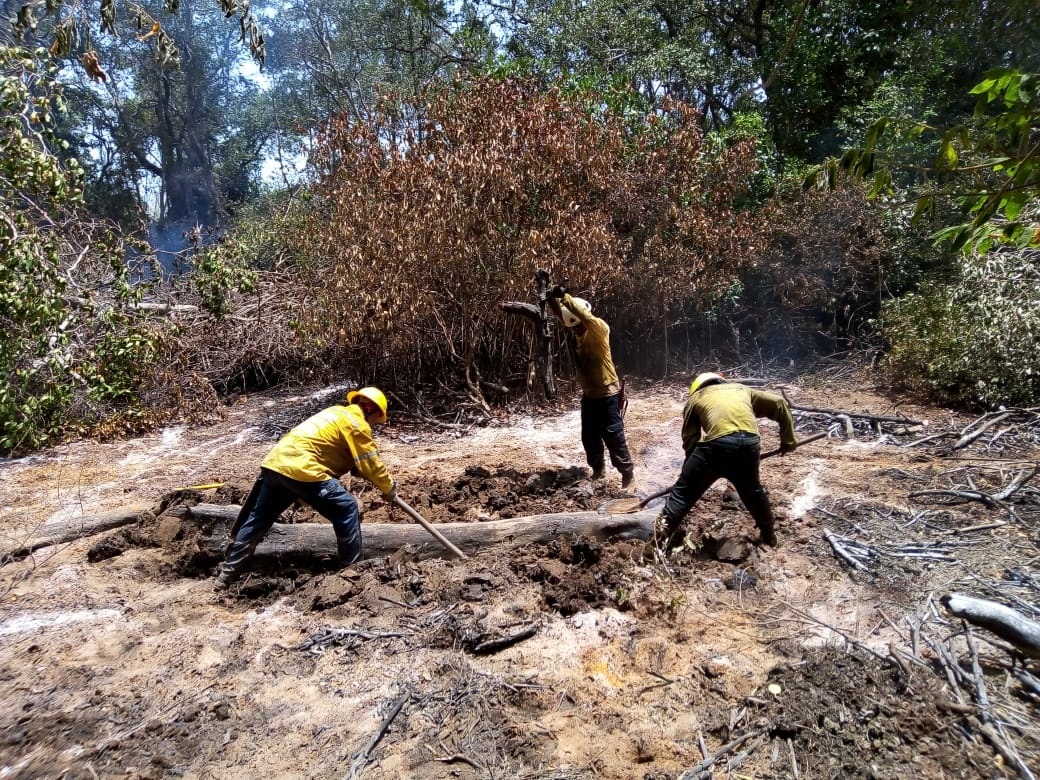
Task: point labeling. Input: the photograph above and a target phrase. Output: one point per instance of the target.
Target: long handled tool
(625, 506)
(398, 501)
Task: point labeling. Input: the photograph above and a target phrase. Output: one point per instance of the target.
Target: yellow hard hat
(705, 379)
(373, 394)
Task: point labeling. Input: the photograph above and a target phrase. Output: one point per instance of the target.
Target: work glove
(786, 448)
(558, 291)
(391, 497)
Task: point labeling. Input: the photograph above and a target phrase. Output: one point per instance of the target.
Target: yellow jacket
(596, 372)
(327, 445)
(729, 407)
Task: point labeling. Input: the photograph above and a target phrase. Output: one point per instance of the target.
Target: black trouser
(734, 457)
(601, 424)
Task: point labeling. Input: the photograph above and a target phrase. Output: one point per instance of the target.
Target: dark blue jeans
(734, 457)
(329, 499)
(601, 424)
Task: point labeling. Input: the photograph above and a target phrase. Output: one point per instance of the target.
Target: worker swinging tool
(306, 464)
(603, 400)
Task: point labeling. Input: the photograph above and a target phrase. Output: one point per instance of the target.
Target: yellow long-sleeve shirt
(596, 372)
(729, 407)
(327, 445)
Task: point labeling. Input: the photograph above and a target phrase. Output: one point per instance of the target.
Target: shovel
(398, 501)
(626, 506)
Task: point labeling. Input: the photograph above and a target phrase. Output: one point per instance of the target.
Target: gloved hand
(786, 448)
(558, 291)
(391, 497)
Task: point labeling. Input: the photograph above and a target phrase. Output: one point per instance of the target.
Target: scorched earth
(571, 657)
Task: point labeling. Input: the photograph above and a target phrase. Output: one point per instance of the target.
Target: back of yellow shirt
(729, 407)
(596, 372)
(327, 445)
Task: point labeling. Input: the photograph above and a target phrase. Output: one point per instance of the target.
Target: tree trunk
(382, 539)
(68, 530)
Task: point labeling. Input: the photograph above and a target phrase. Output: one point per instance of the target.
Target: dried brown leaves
(424, 225)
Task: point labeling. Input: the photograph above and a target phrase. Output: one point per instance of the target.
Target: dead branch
(968, 435)
(805, 617)
(362, 758)
(695, 773)
(998, 499)
(964, 495)
(528, 310)
(1006, 750)
(321, 640)
(69, 530)
(858, 415)
(383, 539)
(495, 645)
(1003, 621)
(665, 682)
(837, 545)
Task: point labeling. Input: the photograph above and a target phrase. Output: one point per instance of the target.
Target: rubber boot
(237, 557)
(225, 577)
(348, 549)
(767, 528)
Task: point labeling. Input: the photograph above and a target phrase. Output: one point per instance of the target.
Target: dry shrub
(418, 233)
(822, 279)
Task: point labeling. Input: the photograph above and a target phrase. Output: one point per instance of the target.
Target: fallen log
(383, 539)
(69, 530)
(1009, 625)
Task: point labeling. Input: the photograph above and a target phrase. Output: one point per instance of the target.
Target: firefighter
(721, 440)
(306, 464)
(601, 391)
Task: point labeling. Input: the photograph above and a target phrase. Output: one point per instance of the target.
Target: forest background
(201, 198)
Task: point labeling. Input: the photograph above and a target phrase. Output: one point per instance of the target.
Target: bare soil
(570, 659)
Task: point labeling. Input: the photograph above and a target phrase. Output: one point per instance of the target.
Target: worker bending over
(306, 464)
(721, 440)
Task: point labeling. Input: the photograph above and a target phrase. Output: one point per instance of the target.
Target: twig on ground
(665, 682)
(694, 773)
(840, 551)
(362, 758)
(501, 643)
(318, 642)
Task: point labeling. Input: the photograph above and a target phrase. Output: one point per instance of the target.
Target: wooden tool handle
(433, 531)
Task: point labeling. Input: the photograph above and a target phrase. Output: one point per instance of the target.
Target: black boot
(348, 549)
(767, 530)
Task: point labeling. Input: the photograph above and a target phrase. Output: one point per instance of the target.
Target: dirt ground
(570, 659)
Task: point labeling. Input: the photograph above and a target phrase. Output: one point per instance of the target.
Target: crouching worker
(721, 440)
(306, 464)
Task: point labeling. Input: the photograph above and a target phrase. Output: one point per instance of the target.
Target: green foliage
(974, 341)
(218, 271)
(969, 335)
(989, 168)
(64, 365)
(113, 368)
